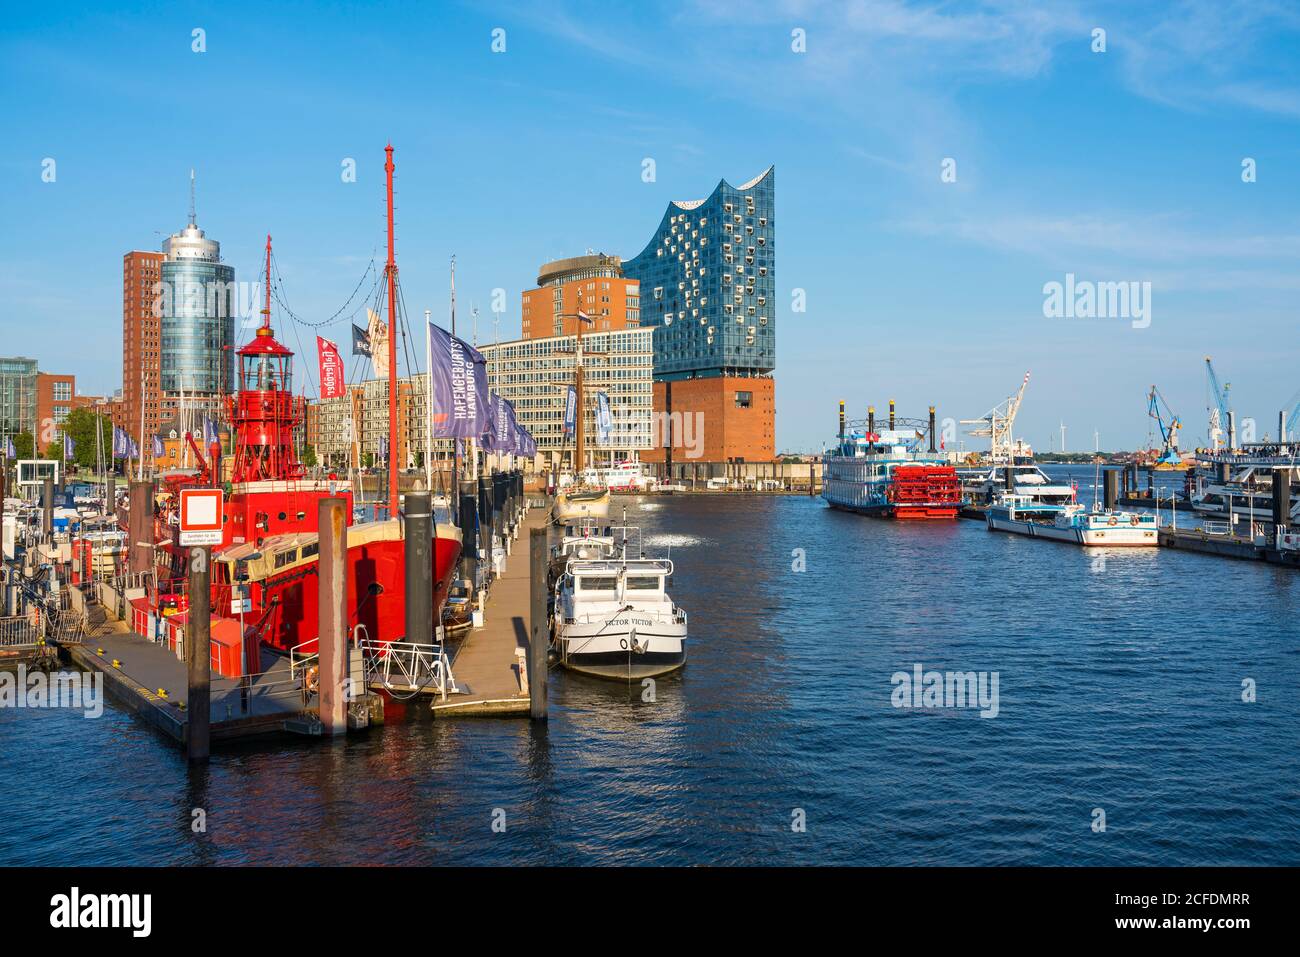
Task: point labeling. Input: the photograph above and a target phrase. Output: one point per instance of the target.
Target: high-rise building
(594, 284)
(708, 289)
(141, 324)
(197, 332)
(17, 396)
(534, 373)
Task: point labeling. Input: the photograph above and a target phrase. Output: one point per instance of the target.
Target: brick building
(594, 284)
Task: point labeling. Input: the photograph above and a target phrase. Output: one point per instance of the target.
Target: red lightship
(269, 549)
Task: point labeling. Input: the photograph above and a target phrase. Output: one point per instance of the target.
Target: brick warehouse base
(716, 419)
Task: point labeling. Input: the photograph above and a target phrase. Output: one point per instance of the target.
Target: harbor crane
(1168, 424)
(996, 425)
(1292, 408)
(1216, 404)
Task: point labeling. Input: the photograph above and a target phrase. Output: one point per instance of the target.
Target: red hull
(376, 595)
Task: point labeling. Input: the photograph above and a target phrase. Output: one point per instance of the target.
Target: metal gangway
(403, 669)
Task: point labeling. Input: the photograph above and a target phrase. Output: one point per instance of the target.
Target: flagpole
(455, 443)
(428, 400)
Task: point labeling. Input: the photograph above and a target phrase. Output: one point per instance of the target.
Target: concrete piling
(469, 531)
(198, 655)
(1110, 491)
(47, 507)
(419, 567)
(140, 528)
(540, 626)
(331, 647)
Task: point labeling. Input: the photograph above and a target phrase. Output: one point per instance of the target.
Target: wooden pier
(488, 667)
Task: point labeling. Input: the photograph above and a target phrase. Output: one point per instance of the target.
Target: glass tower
(17, 396)
(198, 306)
(708, 281)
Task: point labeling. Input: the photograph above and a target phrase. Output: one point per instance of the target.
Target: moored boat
(576, 504)
(613, 617)
(1111, 528)
(889, 473)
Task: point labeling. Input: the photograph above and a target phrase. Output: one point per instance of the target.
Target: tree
(309, 457)
(24, 446)
(80, 424)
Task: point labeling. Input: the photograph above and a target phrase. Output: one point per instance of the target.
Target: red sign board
(202, 513)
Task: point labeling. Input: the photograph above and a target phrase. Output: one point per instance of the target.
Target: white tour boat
(1022, 515)
(614, 618)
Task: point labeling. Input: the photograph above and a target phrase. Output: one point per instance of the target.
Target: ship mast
(266, 309)
(391, 271)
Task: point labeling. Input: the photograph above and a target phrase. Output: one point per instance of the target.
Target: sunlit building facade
(708, 289)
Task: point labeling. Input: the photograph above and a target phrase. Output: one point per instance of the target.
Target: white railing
(19, 631)
(1216, 528)
(401, 665)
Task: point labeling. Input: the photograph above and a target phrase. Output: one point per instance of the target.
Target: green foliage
(309, 457)
(23, 445)
(80, 424)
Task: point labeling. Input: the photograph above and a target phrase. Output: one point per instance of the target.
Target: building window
(744, 400)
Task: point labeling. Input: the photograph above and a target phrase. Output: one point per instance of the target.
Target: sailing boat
(578, 502)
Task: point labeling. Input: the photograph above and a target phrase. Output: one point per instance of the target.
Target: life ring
(312, 680)
(1133, 520)
(1114, 520)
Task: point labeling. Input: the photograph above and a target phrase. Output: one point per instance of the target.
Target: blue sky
(1122, 166)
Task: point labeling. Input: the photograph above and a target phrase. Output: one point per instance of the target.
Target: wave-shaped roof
(696, 203)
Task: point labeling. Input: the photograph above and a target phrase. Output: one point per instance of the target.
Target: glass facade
(197, 338)
(708, 283)
(17, 396)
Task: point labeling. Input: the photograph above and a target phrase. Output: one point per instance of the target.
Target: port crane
(996, 425)
(1217, 405)
(1292, 408)
(1169, 425)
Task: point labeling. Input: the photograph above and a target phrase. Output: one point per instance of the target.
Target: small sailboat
(575, 505)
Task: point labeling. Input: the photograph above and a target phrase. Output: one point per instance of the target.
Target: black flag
(361, 342)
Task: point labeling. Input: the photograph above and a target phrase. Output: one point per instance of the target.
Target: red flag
(331, 369)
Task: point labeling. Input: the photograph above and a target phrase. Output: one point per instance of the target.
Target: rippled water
(1120, 681)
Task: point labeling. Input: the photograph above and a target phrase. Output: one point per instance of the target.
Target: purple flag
(458, 378)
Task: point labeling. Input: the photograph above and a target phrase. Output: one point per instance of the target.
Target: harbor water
(1119, 690)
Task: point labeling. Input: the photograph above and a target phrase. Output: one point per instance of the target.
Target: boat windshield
(597, 583)
(643, 582)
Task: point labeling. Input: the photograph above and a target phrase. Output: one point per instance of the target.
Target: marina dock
(149, 679)
(489, 664)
